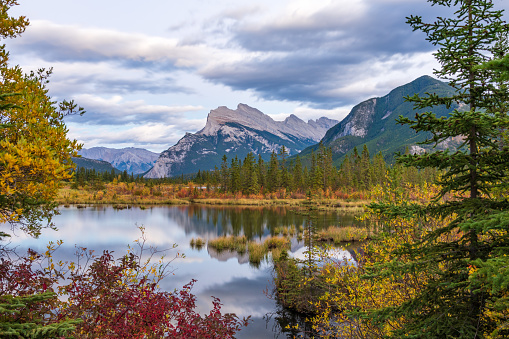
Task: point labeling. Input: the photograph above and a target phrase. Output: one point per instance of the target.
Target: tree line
(357, 172)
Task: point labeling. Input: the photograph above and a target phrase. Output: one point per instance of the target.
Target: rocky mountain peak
(293, 117)
(236, 132)
(243, 115)
(253, 118)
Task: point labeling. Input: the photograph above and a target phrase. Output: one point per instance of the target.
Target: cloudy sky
(147, 72)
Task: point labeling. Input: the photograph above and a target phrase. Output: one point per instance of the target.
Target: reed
(231, 243)
(257, 252)
(276, 242)
(197, 243)
(343, 234)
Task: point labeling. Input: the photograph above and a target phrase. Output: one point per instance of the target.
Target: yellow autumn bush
(353, 292)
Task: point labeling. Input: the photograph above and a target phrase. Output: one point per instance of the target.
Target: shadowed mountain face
(133, 160)
(236, 133)
(372, 122)
(93, 164)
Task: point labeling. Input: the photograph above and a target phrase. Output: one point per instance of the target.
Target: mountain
(372, 122)
(236, 133)
(98, 165)
(133, 160)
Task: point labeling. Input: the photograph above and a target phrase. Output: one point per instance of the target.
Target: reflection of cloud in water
(243, 296)
(336, 256)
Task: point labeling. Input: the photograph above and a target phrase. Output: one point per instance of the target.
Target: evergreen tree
(225, 176)
(273, 174)
(285, 176)
(249, 175)
(298, 178)
(379, 169)
(452, 305)
(235, 183)
(261, 171)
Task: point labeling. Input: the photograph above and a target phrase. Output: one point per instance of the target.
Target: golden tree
(35, 153)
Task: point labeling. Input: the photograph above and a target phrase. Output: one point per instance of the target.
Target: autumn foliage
(104, 297)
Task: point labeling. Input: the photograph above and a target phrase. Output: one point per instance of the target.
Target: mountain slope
(372, 122)
(236, 133)
(133, 160)
(97, 165)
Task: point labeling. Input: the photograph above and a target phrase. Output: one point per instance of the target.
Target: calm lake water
(241, 287)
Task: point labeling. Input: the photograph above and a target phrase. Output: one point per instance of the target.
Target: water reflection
(253, 222)
(241, 288)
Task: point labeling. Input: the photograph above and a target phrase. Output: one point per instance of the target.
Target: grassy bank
(136, 194)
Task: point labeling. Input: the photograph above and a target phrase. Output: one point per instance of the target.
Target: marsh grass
(257, 251)
(285, 231)
(230, 243)
(274, 245)
(67, 196)
(139, 194)
(338, 235)
(249, 202)
(197, 243)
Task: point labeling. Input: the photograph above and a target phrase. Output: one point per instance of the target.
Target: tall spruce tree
(453, 304)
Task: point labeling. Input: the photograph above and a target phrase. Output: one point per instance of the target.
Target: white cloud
(77, 42)
(115, 110)
(156, 137)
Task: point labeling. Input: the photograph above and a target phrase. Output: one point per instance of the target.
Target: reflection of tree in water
(253, 222)
(289, 324)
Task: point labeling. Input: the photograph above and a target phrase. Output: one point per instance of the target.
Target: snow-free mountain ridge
(373, 123)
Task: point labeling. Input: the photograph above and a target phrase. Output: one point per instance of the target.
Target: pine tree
(298, 178)
(225, 174)
(379, 169)
(249, 175)
(261, 172)
(285, 176)
(452, 305)
(365, 168)
(273, 174)
(235, 183)
(15, 323)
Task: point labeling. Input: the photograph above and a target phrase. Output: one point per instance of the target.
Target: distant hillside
(372, 122)
(236, 133)
(98, 165)
(130, 159)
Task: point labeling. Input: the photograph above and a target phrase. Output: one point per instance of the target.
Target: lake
(241, 287)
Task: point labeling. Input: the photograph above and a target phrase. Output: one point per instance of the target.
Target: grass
(231, 243)
(257, 251)
(197, 243)
(67, 196)
(285, 231)
(249, 202)
(140, 194)
(343, 234)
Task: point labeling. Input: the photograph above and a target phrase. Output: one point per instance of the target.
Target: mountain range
(236, 133)
(133, 160)
(246, 129)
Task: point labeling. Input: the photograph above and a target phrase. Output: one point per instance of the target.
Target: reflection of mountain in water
(253, 222)
(227, 255)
